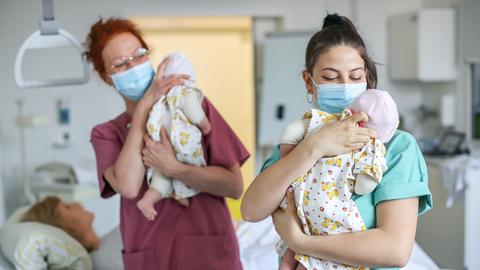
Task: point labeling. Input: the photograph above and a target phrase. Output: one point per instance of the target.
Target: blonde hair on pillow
(44, 211)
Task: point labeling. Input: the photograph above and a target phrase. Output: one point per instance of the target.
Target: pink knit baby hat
(381, 110)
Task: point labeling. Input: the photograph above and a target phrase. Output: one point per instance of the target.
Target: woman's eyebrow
(329, 68)
(336, 70)
(357, 69)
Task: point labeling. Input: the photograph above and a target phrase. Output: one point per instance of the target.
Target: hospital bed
(106, 258)
(256, 241)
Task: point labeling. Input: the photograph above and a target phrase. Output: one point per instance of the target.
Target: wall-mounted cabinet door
(421, 46)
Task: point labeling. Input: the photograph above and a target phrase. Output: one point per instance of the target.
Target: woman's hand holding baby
(161, 85)
(287, 223)
(160, 155)
(340, 137)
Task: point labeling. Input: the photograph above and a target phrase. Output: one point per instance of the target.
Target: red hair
(100, 33)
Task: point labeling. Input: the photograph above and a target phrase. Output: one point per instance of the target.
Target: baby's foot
(183, 202)
(147, 209)
(301, 267)
(205, 126)
(283, 266)
(288, 261)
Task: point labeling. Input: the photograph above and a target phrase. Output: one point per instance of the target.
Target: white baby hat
(179, 64)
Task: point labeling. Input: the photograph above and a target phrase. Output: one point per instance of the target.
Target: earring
(309, 98)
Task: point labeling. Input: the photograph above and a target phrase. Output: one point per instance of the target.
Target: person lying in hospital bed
(50, 234)
(255, 242)
(70, 217)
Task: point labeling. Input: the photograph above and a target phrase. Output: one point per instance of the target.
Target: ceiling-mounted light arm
(49, 36)
(48, 25)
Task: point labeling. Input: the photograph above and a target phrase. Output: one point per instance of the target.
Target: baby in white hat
(180, 113)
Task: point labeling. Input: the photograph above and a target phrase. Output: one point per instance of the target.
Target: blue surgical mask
(133, 82)
(334, 98)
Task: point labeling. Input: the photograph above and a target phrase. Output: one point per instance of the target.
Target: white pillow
(32, 245)
(5, 263)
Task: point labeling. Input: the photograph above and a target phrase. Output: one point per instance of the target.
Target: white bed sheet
(109, 255)
(4, 263)
(256, 241)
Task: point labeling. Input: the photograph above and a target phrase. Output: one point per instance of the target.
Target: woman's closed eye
(326, 78)
(329, 74)
(357, 75)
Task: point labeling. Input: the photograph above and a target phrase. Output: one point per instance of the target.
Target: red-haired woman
(200, 236)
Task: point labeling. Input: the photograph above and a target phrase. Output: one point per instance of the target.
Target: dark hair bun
(339, 21)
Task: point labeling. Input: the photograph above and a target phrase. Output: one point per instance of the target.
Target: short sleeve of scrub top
(170, 241)
(406, 177)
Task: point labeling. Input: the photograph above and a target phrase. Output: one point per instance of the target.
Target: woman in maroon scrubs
(200, 236)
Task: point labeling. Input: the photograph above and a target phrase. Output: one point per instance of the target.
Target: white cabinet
(451, 236)
(421, 46)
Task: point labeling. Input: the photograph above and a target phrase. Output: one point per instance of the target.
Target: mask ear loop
(310, 95)
(309, 98)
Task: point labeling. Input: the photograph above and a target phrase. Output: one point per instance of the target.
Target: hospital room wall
(94, 102)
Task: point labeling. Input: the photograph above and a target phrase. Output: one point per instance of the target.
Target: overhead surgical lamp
(49, 36)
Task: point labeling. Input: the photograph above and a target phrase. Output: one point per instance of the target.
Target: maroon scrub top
(200, 236)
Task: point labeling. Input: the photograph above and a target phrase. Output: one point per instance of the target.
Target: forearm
(275, 180)
(285, 149)
(215, 180)
(371, 248)
(129, 169)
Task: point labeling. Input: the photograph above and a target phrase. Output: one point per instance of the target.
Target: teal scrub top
(406, 177)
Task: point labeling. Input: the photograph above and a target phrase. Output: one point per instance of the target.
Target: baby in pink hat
(363, 168)
(383, 118)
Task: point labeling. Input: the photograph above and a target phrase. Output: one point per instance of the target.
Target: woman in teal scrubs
(337, 55)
